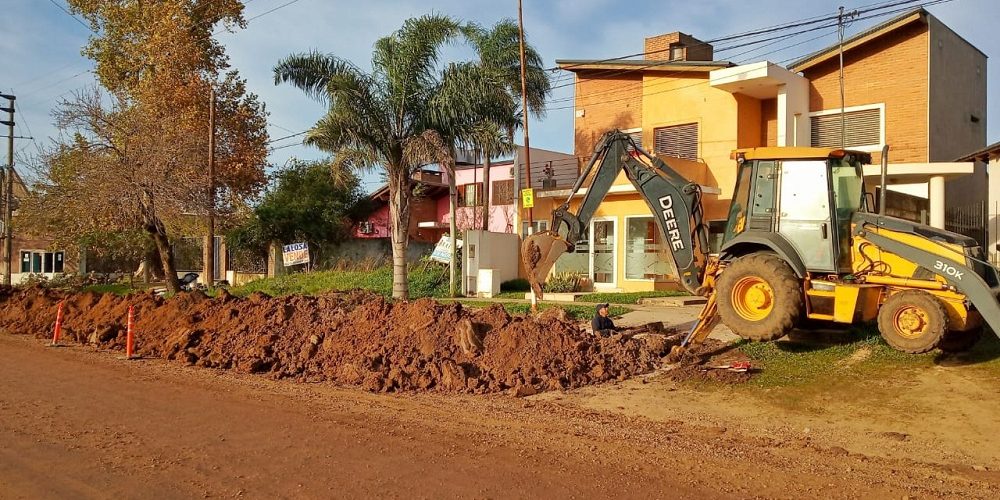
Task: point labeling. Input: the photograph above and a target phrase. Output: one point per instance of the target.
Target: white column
(793, 110)
(935, 195)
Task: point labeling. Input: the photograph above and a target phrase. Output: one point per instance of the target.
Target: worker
(602, 323)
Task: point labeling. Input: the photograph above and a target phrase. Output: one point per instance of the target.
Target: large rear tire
(913, 321)
(759, 296)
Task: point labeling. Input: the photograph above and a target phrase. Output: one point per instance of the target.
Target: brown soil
(353, 338)
(707, 361)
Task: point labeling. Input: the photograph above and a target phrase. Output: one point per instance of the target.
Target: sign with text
(528, 198)
(442, 251)
(294, 254)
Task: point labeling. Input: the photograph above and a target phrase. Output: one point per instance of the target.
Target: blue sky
(41, 61)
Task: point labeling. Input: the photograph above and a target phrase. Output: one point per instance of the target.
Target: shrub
(515, 285)
(563, 283)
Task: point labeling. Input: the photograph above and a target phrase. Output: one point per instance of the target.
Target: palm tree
(498, 49)
(382, 120)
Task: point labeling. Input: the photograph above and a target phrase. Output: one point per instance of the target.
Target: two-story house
(909, 82)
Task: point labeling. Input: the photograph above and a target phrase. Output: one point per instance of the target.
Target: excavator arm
(677, 208)
(674, 201)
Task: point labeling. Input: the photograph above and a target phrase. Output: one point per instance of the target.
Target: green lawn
(628, 297)
(609, 297)
(858, 355)
(431, 281)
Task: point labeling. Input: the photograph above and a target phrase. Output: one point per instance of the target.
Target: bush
(515, 285)
(67, 281)
(563, 283)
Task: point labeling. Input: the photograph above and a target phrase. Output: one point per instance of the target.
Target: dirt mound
(353, 338)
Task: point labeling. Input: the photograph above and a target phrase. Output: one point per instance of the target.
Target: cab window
(736, 221)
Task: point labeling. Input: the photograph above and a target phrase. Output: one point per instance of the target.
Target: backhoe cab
(799, 244)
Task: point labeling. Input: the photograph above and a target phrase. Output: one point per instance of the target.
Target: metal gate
(969, 220)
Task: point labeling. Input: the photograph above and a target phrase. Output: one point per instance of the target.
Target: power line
(702, 82)
(667, 75)
(24, 120)
(70, 14)
(786, 25)
(75, 18)
(620, 72)
(286, 137)
(770, 29)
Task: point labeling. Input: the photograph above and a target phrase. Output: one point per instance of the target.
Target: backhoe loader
(801, 244)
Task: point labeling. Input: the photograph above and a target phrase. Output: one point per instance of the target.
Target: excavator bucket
(538, 254)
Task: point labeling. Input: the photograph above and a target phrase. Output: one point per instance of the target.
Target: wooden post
(209, 250)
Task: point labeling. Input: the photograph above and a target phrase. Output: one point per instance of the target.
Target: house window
(864, 128)
(470, 195)
(537, 227)
(676, 52)
(503, 192)
(679, 141)
(39, 261)
(644, 258)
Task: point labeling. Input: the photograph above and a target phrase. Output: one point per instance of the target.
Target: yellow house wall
(725, 122)
(672, 100)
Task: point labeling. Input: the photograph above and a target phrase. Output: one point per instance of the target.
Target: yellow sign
(528, 198)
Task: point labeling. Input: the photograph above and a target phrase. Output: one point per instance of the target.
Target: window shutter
(503, 192)
(680, 141)
(636, 138)
(862, 127)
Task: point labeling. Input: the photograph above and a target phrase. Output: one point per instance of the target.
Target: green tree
(498, 49)
(305, 203)
(137, 151)
(383, 119)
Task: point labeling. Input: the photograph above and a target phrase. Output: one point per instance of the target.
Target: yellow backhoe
(801, 243)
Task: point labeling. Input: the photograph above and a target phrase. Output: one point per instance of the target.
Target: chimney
(677, 46)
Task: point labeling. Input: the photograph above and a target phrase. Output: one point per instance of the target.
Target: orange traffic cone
(58, 329)
(130, 333)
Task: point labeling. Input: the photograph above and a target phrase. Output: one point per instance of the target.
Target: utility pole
(8, 188)
(841, 26)
(524, 112)
(210, 236)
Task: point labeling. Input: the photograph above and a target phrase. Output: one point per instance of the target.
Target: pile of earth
(352, 338)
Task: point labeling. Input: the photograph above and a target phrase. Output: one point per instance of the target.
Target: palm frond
(312, 71)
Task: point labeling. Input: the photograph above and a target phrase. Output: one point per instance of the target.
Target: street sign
(527, 198)
(294, 254)
(442, 251)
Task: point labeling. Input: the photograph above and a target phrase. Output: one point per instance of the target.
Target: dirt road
(79, 423)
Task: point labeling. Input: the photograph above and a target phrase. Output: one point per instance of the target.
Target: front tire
(760, 298)
(913, 321)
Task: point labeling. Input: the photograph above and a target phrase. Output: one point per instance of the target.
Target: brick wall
(606, 101)
(893, 70)
(657, 47)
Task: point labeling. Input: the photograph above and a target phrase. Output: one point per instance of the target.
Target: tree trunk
(159, 236)
(486, 189)
(154, 226)
(399, 229)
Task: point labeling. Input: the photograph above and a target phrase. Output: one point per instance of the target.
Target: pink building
(430, 213)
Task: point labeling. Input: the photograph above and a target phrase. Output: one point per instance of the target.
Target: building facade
(909, 82)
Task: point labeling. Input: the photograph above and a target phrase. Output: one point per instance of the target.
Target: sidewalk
(680, 317)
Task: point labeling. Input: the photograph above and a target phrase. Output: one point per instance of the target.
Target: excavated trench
(351, 338)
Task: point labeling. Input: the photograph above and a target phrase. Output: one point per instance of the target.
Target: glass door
(603, 253)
